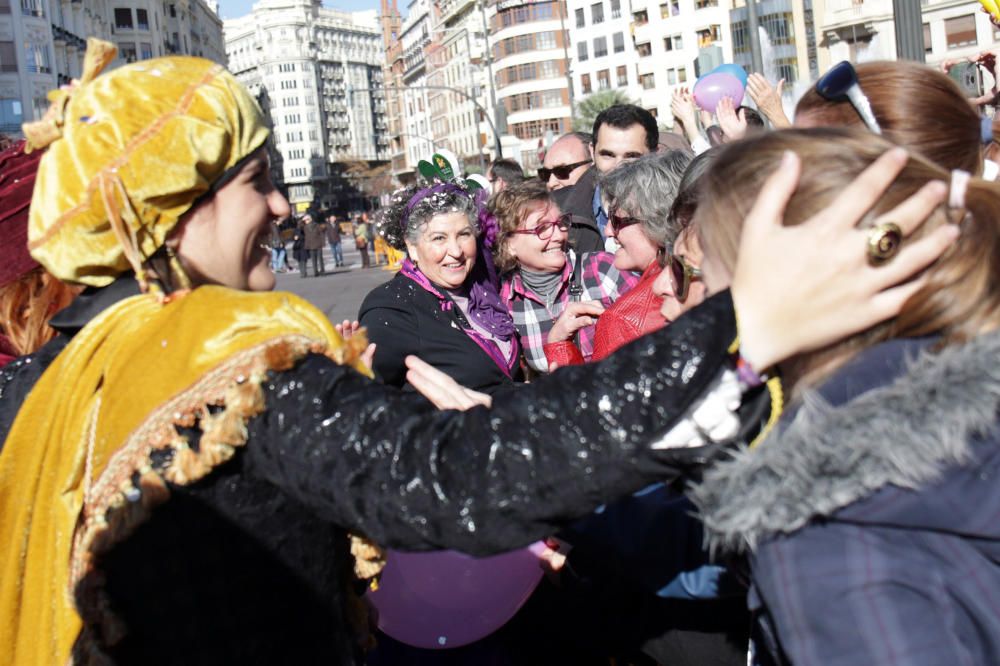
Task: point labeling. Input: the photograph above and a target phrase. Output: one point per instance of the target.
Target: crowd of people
(739, 380)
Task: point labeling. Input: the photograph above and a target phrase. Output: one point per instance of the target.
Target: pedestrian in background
(333, 238)
(312, 234)
(278, 253)
(361, 240)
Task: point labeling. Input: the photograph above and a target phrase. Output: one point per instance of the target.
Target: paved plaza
(340, 292)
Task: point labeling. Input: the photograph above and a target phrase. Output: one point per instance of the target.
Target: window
(640, 17)
(36, 58)
(644, 50)
(580, 20)
(173, 11)
(4, 6)
(142, 19)
(145, 51)
(11, 116)
(597, 12)
(534, 129)
(32, 8)
(545, 40)
(648, 81)
(585, 83)
(787, 69)
(616, 9)
(621, 76)
(960, 31)
(126, 51)
(675, 7)
(123, 18)
(600, 47)
(702, 4)
(8, 57)
(927, 38)
(664, 10)
(713, 33)
(581, 51)
(603, 80)
(618, 40)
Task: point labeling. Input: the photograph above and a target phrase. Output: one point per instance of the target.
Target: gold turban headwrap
(129, 152)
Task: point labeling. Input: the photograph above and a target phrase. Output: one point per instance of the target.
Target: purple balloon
(711, 88)
(446, 599)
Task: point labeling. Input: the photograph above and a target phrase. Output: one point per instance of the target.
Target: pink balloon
(711, 88)
(446, 599)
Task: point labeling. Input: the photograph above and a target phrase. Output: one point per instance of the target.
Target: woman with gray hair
(638, 196)
(443, 305)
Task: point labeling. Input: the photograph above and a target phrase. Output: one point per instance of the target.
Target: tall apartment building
(42, 43)
(392, 75)
(529, 43)
(864, 30)
(318, 75)
(416, 113)
(602, 52)
(456, 62)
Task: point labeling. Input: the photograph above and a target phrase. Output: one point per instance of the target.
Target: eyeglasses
(842, 81)
(682, 274)
(619, 222)
(545, 229)
(561, 172)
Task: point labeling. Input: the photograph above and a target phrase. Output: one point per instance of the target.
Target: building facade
(602, 52)
(318, 75)
(42, 43)
(530, 45)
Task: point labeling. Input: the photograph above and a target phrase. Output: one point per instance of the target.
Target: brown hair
(962, 296)
(917, 107)
(510, 206)
(27, 304)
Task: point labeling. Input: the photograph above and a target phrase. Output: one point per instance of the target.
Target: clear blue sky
(237, 8)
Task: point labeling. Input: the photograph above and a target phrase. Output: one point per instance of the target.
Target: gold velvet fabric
(113, 396)
(129, 152)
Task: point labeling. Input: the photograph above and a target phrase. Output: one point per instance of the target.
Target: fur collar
(904, 433)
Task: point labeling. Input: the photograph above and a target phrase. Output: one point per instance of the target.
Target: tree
(587, 109)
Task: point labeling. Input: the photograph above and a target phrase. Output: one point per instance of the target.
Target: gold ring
(883, 242)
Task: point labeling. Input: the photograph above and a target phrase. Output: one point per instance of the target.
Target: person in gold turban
(182, 466)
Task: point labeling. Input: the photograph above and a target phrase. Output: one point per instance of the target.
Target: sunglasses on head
(561, 172)
(842, 81)
(682, 274)
(544, 229)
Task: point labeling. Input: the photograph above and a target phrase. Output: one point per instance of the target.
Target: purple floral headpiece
(423, 194)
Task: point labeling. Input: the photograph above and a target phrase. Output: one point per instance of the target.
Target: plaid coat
(534, 318)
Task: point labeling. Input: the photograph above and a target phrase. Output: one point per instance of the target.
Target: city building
(416, 131)
(860, 30)
(318, 75)
(42, 43)
(458, 101)
(790, 48)
(603, 54)
(531, 63)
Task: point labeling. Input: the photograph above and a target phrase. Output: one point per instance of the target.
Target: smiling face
(533, 253)
(685, 246)
(567, 150)
(225, 239)
(614, 145)
(636, 251)
(446, 249)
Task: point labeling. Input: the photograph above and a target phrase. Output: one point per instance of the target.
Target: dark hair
(507, 170)
(623, 116)
(753, 118)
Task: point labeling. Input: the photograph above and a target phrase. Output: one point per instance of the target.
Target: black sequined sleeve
(386, 464)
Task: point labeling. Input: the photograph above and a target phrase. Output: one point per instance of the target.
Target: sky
(237, 8)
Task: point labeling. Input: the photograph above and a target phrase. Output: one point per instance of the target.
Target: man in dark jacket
(313, 234)
(621, 132)
(333, 238)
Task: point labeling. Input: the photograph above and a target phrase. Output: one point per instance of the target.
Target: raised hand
(768, 99)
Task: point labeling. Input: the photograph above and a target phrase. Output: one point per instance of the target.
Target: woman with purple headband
(443, 305)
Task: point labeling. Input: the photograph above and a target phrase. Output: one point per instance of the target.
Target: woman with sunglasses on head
(545, 285)
(639, 195)
(914, 106)
(442, 305)
(869, 515)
